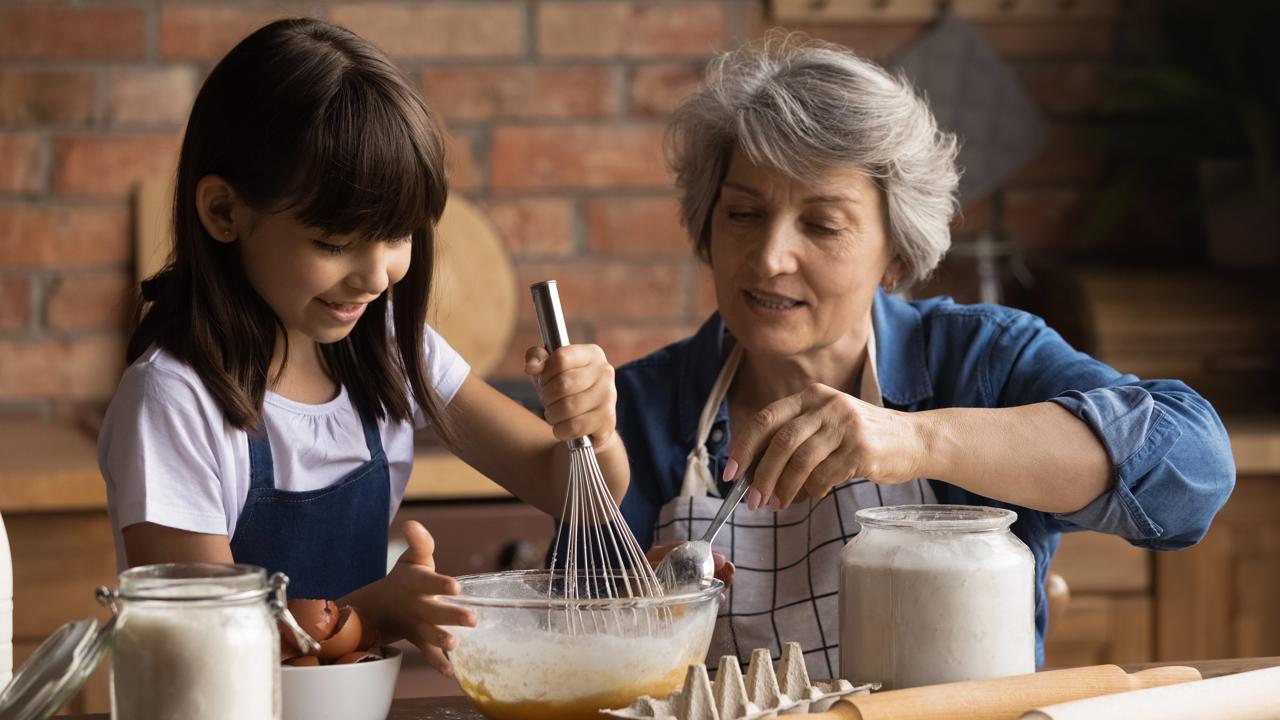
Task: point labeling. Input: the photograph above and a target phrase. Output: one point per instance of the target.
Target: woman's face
(796, 265)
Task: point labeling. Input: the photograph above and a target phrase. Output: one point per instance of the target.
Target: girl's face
(318, 285)
(796, 265)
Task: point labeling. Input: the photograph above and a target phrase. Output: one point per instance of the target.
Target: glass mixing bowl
(537, 656)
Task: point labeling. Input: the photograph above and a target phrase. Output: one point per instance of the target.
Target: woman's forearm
(1037, 456)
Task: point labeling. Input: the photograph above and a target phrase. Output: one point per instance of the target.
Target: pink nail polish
(775, 504)
(753, 499)
(730, 471)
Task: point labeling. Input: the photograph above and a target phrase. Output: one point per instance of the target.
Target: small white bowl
(359, 691)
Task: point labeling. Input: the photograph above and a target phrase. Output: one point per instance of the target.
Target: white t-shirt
(169, 456)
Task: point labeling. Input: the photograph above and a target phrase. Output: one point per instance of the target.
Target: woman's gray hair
(805, 107)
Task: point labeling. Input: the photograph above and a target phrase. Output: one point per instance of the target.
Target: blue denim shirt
(1170, 455)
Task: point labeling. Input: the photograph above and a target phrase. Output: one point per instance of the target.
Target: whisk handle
(546, 305)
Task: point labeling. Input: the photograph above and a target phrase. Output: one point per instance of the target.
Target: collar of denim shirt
(901, 364)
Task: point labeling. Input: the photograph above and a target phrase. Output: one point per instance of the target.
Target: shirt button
(717, 435)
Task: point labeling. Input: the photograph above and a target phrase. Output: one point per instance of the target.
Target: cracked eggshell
(317, 617)
(345, 637)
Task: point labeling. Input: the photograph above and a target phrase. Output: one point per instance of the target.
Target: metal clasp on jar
(279, 605)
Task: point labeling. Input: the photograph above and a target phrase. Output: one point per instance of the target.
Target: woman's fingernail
(753, 499)
(775, 504)
(730, 470)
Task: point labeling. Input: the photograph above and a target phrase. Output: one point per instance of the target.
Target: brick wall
(555, 110)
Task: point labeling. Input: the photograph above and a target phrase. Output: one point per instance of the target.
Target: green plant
(1213, 97)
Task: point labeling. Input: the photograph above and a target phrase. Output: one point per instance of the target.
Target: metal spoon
(690, 563)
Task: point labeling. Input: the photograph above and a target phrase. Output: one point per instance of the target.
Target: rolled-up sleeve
(1170, 456)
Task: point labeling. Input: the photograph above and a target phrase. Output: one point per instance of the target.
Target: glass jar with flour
(195, 641)
(188, 640)
(936, 593)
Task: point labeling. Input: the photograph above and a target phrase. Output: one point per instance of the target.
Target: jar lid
(937, 518)
(57, 670)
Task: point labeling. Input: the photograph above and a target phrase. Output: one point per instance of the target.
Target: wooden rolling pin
(1245, 696)
(1002, 698)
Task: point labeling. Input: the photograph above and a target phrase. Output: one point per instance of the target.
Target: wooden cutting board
(473, 304)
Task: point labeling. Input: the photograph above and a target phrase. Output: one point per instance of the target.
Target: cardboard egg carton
(763, 694)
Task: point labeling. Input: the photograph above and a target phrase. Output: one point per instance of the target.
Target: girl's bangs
(369, 167)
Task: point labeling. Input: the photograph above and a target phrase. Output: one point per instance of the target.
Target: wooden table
(457, 708)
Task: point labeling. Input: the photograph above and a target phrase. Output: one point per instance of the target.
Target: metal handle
(731, 501)
(546, 305)
(280, 607)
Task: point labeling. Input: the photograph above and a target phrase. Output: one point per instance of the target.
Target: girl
(282, 361)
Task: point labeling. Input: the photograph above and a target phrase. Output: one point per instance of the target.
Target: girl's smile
(343, 313)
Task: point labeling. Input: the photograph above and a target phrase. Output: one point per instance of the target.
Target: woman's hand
(723, 568)
(406, 603)
(575, 385)
(816, 439)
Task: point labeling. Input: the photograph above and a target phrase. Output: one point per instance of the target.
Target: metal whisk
(602, 558)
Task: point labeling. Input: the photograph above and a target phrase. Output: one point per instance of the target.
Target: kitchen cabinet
(1214, 600)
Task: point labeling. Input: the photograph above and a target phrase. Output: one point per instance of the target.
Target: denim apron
(328, 541)
(786, 583)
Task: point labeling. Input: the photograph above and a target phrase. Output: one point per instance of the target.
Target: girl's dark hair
(306, 117)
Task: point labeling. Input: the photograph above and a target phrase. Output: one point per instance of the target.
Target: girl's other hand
(575, 385)
(410, 604)
(723, 568)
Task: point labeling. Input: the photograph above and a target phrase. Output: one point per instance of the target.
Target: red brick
(86, 368)
(21, 162)
(15, 302)
(111, 165)
(636, 227)
(534, 226)
(59, 236)
(1041, 40)
(624, 343)
(1043, 219)
(463, 168)
(657, 89)
(608, 291)
(1068, 156)
(875, 41)
(630, 29)
(42, 33)
(439, 30)
(38, 97)
(150, 96)
(578, 156)
(206, 31)
(90, 301)
(471, 93)
(1066, 88)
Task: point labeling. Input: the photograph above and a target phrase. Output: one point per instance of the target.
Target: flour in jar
(918, 608)
(195, 662)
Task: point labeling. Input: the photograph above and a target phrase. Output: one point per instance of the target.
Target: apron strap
(697, 465)
(372, 438)
(697, 468)
(262, 473)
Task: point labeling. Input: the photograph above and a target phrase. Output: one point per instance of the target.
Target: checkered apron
(788, 562)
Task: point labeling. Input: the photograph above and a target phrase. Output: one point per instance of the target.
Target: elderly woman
(814, 184)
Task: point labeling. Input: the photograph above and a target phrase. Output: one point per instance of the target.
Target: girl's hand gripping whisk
(575, 386)
(596, 555)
